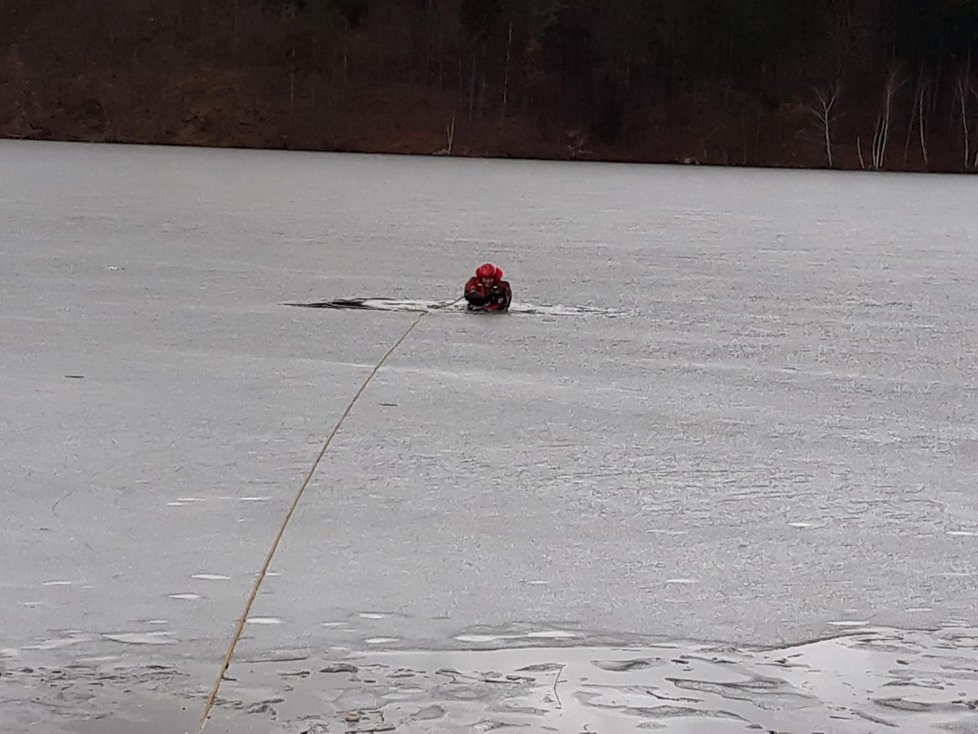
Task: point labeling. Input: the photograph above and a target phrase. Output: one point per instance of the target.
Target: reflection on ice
(875, 680)
(904, 681)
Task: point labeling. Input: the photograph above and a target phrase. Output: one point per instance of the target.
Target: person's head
(487, 273)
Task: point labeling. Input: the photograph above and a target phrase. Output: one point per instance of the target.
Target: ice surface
(761, 381)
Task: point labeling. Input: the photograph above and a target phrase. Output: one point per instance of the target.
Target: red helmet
(486, 270)
(499, 273)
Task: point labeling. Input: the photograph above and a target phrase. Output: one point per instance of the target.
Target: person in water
(487, 291)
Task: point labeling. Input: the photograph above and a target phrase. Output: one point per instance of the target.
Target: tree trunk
(882, 133)
(963, 109)
(823, 113)
(921, 126)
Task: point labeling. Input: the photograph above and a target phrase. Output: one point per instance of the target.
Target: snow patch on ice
(141, 638)
(536, 634)
(553, 634)
(57, 643)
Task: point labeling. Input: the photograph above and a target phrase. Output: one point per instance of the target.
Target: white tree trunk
(823, 113)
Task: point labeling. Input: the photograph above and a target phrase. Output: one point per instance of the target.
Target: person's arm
(507, 296)
(474, 294)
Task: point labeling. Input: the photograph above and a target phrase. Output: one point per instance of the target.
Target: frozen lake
(731, 407)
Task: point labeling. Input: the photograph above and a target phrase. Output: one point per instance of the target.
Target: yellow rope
(239, 627)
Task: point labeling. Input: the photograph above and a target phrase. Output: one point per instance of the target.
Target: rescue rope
(239, 627)
(449, 303)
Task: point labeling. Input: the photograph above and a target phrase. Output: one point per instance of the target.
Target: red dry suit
(487, 291)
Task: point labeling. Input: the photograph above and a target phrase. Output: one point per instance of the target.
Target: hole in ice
(264, 620)
(56, 583)
(374, 615)
(185, 597)
(380, 640)
(398, 304)
(680, 581)
(210, 577)
(848, 623)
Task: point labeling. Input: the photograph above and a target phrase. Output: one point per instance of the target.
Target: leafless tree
(964, 87)
(823, 112)
(882, 133)
(919, 115)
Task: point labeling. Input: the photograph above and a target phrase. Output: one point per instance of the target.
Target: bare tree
(961, 97)
(919, 114)
(450, 131)
(823, 113)
(974, 163)
(964, 86)
(882, 133)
